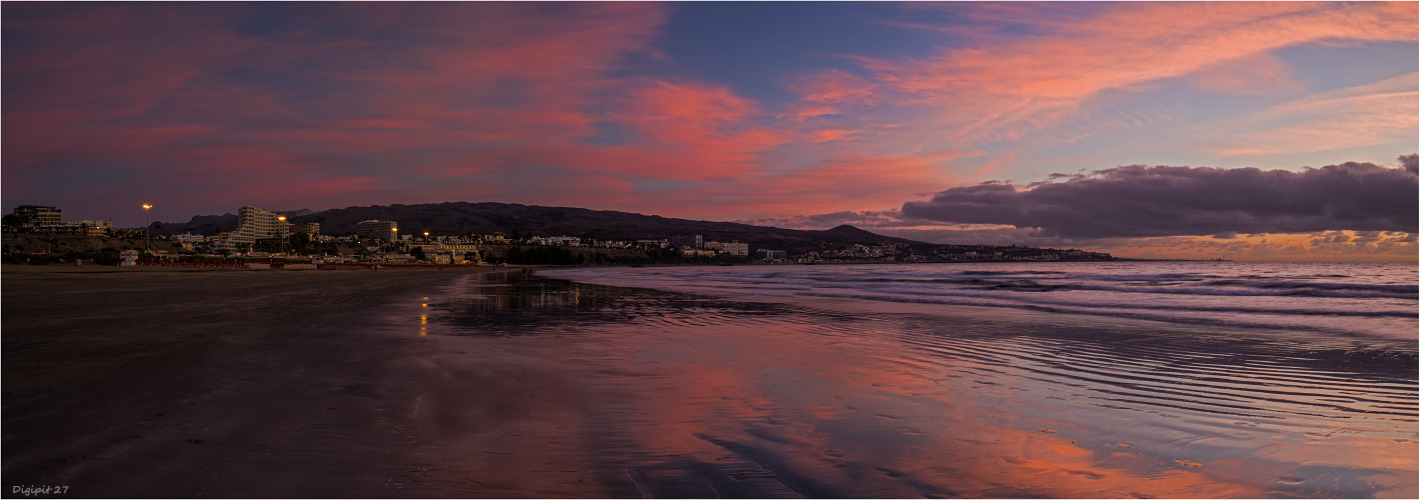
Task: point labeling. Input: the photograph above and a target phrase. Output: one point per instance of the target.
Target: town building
(39, 215)
(93, 227)
(255, 224)
(312, 229)
(82, 228)
(556, 240)
(686, 241)
(440, 257)
(733, 248)
(378, 229)
(764, 254)
(221, 240)
(458, 248)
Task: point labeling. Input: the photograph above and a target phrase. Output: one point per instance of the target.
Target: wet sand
(687, 395)
(201, 383)
(421, 384)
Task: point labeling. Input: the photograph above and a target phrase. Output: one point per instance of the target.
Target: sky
(1250, 131)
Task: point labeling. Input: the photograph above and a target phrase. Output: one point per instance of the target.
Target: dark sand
(127, 383)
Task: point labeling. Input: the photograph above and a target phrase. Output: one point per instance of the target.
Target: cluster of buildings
(693, 242)
(50, 220)
(255, 226)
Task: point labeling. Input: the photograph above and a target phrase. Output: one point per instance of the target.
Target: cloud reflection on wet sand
(563, 389)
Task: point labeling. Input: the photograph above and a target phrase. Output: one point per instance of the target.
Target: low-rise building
(93, 227)
(733, 248)
(39, 215)
(82, 228)
(460, 249)
(556, 240)
(440, 256)
(378, 229)
(686, 241)
(764, 254)
(311, 229)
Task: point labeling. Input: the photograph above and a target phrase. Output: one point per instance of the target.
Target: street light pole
(145, 227)
(282, 242)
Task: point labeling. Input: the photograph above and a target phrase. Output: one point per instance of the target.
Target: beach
(619, 382)
(178, 383)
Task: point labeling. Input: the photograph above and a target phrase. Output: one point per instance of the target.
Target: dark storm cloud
(1137, 201)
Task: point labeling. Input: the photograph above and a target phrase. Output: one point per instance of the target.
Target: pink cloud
(835, 86)
(1038, 90)
(1376, 113)
(829, 135)
(712, 120)
(1255, 74)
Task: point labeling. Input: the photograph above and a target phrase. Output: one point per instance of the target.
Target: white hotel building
(255, 224)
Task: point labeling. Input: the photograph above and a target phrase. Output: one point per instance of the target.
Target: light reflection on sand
(660, 394)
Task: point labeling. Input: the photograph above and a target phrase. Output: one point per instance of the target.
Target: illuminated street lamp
(427, 237)
(145, 226)
(282, 242)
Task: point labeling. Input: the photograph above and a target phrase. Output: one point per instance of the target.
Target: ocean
(1362, 299)
(1117, 379)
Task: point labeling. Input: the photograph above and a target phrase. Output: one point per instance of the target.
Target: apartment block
(764, 254)
(733, 248)
(686, 241)
(379, 229)
(40, 215)
(312, 229)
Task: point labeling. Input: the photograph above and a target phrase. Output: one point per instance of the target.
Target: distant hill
(453, 218)
(297, 213)
(200, 224)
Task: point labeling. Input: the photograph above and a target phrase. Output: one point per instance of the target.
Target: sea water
(1350, 298)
